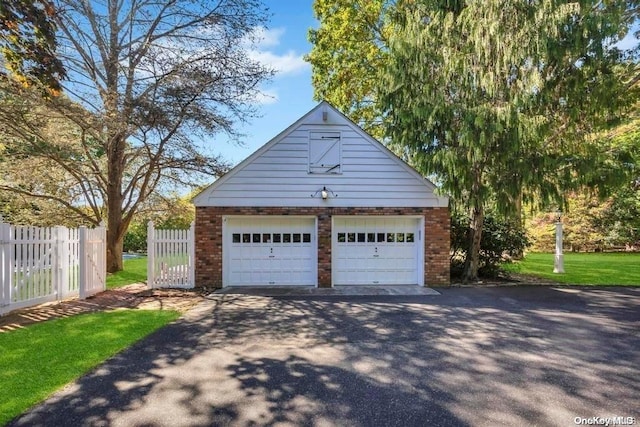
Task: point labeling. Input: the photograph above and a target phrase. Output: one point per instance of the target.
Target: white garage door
(376, 250)
(268, 251)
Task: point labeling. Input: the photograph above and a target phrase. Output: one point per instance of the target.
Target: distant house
(322, 204)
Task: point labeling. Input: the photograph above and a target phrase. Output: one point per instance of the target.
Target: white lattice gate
(170, 257)
(93, 261)
(42, 264)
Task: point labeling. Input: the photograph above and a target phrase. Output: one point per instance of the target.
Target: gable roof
(205, 196)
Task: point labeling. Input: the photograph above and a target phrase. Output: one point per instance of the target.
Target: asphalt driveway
(494, 356)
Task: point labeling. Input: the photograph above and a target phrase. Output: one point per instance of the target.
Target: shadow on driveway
(496, 356)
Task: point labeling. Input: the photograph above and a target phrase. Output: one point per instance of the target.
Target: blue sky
(289, 95)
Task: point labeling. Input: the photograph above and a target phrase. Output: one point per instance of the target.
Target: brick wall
(209, 239)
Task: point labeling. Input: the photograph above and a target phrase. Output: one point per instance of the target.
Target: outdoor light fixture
(324, 192)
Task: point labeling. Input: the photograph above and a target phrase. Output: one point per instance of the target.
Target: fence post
(150, 254)
(61, 262)
(82, 262)
(103, 254)
(6, 266)
(191, 247)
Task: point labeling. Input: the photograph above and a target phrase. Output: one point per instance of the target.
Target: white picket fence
(170, 257)
(42, 264)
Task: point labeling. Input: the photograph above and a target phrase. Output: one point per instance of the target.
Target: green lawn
(134, 271)
(583, 268)
(38, 360)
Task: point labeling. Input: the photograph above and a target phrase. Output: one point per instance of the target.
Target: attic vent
(325, 152)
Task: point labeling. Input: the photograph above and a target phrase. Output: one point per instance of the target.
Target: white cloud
(263, 50)
(267, 37)
(266, 46)
(286, 63)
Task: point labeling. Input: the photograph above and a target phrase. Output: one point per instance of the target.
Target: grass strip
(134, 271)
(38, 360)
(601, 269)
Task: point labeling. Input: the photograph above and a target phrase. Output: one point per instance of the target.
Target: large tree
(500, 97)
(28, 42)
(149, 83)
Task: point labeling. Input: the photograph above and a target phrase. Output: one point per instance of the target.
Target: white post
(6, 266)
(61, 262)
(558, 265)
(150, 254)
(82, 262)
(191, 247)
(103, 254)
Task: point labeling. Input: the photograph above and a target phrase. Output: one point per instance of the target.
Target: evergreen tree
(498, 98)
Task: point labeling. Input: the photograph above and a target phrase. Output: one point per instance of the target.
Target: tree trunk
(474, 237)
(519, 222)
(115, 232)
(117, 228)
(115, 225)
(114, 252)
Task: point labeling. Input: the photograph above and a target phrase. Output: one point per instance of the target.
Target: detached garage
(322, 204)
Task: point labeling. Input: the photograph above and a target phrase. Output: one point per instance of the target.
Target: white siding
(278, 173)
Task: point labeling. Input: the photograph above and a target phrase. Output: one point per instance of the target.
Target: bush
(501, 240)
(135, 240)
(591, 224)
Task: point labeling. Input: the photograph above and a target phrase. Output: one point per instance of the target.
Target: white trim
(421, 251)
(333, 250)
(315, 250)
(225, 252)
(342, 201)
